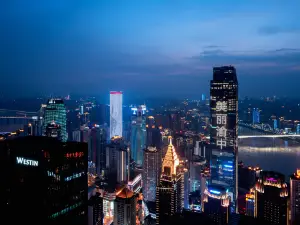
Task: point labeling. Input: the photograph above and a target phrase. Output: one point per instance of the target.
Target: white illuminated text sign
(221, 106)
(27, 162)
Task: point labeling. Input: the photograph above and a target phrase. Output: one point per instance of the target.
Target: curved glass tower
(138, 134)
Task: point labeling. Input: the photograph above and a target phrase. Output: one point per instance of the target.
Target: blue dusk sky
(148, 47)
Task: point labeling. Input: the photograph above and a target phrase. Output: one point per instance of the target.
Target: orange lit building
(125, 207)
(170, 191)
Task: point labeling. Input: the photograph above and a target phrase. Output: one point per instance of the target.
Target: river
(270, 154)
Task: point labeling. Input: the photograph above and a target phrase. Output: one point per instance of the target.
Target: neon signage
(214, 192)
(27, 162)
(221, 109)
(74, 155)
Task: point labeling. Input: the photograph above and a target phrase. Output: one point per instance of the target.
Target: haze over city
(148, 48)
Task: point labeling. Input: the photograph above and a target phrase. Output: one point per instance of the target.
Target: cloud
(213, 46)
(273, 30)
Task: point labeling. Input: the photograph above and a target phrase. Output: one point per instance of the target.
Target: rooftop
(124, 193)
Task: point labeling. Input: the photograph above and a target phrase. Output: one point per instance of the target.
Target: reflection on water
(270, 154)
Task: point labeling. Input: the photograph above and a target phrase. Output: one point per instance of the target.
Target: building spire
(171, 160)
(170, 140)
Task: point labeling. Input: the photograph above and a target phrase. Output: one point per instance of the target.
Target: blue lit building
(298, 129)
(138, 134)
(224, 131)
(255, 116)
(55, 112)
(275, 124)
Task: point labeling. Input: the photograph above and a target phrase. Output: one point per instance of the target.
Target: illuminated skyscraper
(295, 198)
(271, 198)
(165, 197)
(47, 182)
(255, 116)
(170, 191)
(138, 134)
(298, 129)
(250, 203)
(116, 113)
(216, 204)
(55, 112)
(224, 130)
(151, 172)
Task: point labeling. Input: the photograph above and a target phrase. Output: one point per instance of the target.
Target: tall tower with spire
(170, 160)
(169, 192)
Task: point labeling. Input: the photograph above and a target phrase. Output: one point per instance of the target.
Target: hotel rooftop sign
(27, 162)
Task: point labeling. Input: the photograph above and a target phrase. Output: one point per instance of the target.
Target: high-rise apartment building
(46, 182)
(138, 134)
(151, 172)
(271, 198)
(116, 113)
(125, 207)
(55, 111)
(295, 197)
(224, 130)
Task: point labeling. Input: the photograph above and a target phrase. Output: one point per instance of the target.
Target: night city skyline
(148, 48)
(150, 112)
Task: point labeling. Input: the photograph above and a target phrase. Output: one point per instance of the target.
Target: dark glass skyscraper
(271, 198)
(44, 181)
(224, 130)
(97, 148)
(55, 111)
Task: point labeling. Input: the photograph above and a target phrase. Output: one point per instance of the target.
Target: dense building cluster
(133, 164)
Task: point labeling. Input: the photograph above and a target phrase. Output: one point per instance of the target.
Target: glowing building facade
(255, 116)
(116, 113)
(250, 203)
(138, 133)
(271, 198)
(216, 204)
(170, 191)
(224, 130)
(295, 197)
(55, 112)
